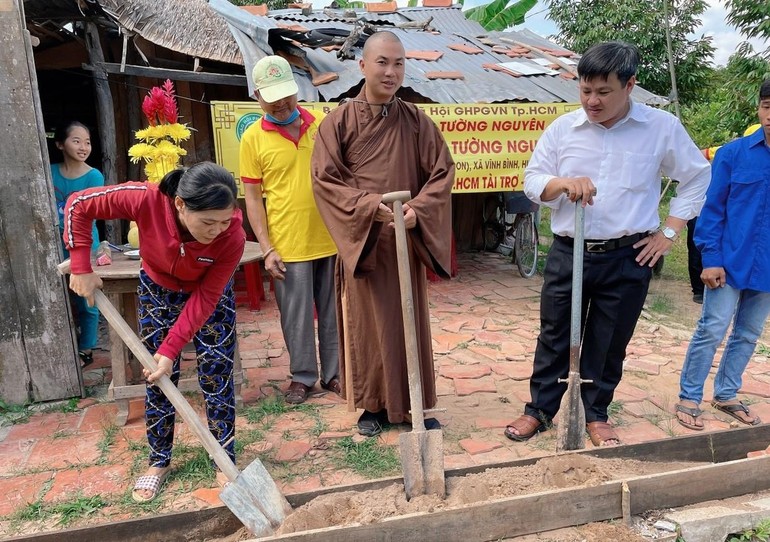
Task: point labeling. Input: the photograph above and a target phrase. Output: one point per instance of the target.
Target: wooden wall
(37, 350)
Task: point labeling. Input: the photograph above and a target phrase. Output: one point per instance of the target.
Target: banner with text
(490, 143)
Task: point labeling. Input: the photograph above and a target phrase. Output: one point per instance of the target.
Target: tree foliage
(498, 15)
(583, 23)
(752, 18)
(730, 101)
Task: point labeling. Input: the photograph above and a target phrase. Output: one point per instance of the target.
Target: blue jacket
(733, 229)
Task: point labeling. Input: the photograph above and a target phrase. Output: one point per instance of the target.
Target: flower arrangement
(159, 142)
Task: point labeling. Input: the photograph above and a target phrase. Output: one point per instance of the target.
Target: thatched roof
(185, 26)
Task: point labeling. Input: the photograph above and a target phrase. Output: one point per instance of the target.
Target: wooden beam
(37, 346)
(174, 75)
(105, 111)
(504, 517)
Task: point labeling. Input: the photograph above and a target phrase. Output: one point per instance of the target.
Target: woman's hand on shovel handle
(165, 366)
(85, 285)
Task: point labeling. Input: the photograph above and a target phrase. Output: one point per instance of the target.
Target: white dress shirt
(625, 163)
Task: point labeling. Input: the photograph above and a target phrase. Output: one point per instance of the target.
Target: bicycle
(522, 230)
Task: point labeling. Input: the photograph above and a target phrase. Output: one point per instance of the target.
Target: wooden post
(105, 111)
(38, 359)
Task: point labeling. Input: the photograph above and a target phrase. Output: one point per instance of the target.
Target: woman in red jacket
(191, 242)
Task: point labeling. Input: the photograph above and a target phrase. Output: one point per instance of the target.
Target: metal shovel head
(571, 430)
(255, 500)
(422, 462)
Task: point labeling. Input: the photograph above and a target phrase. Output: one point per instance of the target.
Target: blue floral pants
(214, 343)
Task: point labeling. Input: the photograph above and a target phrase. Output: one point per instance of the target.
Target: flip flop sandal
(601, 433)
(151, 482)
(527, 426)
(734, 409)
(85, 359)
(690, 411)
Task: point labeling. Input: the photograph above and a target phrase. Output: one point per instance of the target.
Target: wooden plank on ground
(506, 517)
(704, 483)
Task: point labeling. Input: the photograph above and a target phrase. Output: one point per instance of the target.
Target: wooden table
(120, 282)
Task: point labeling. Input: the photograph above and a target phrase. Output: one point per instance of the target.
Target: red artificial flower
(159, 105)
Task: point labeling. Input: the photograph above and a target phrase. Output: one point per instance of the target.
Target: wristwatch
(669, 233)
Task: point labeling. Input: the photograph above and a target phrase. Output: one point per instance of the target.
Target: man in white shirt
(608, 157)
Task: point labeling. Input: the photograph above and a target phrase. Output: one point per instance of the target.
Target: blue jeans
(749, 310)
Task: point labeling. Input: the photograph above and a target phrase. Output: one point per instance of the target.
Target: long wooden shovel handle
(173, 394)
(407, 309)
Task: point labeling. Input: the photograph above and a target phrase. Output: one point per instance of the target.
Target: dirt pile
(557, 472)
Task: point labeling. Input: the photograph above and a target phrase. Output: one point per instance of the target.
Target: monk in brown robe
(368, 146)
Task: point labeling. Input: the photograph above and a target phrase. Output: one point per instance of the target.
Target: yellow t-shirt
(283, 168)
(711, 151)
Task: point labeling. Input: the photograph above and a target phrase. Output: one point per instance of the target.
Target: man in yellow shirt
(299, 252)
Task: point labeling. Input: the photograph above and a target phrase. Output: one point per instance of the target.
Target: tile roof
(467, 49)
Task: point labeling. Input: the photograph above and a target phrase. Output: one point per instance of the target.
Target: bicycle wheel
(525, 246)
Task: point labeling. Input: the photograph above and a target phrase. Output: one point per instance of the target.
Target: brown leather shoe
(297, 393)
(333, 385)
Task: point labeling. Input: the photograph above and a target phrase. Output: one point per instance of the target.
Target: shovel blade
(422, 461)
(255, 500)
(571, 430)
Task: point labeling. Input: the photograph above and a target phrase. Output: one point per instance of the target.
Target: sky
(725, 38)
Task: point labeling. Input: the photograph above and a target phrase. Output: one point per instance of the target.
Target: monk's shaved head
(382, 65)
(376, 40)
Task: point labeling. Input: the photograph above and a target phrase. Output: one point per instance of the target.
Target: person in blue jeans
(71, 175)
(732, 235)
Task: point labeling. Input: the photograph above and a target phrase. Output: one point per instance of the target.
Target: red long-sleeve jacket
(191, 267)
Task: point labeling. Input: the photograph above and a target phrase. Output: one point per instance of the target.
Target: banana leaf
(498, 15)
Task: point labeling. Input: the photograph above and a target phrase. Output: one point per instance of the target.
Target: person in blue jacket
(733, 236)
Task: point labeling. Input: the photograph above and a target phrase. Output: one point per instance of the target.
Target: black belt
(599, 246)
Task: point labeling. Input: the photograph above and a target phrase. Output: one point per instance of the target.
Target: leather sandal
(602, 434)
(297, 393)
(333, 386)
(526, 426)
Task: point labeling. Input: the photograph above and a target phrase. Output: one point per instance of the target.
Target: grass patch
(67, 511)
(661, 303)
(367, 458)
(760, 533)
(13, 414)
(763, 350)
(193, 465)
(108, 439)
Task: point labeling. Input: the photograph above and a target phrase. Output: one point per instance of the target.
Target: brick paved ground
(485, 323)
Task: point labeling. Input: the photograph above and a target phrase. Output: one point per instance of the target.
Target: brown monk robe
(364, 150)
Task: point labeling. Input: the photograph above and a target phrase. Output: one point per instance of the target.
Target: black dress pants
(614, 290)
(694, 263)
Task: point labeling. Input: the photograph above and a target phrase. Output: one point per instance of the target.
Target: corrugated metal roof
(478, 85)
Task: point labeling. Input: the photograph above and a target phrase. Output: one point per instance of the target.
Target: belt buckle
(596, 247)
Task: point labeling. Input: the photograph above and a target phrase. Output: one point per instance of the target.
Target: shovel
(422, 451)
(571, 430)
(251, 495)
